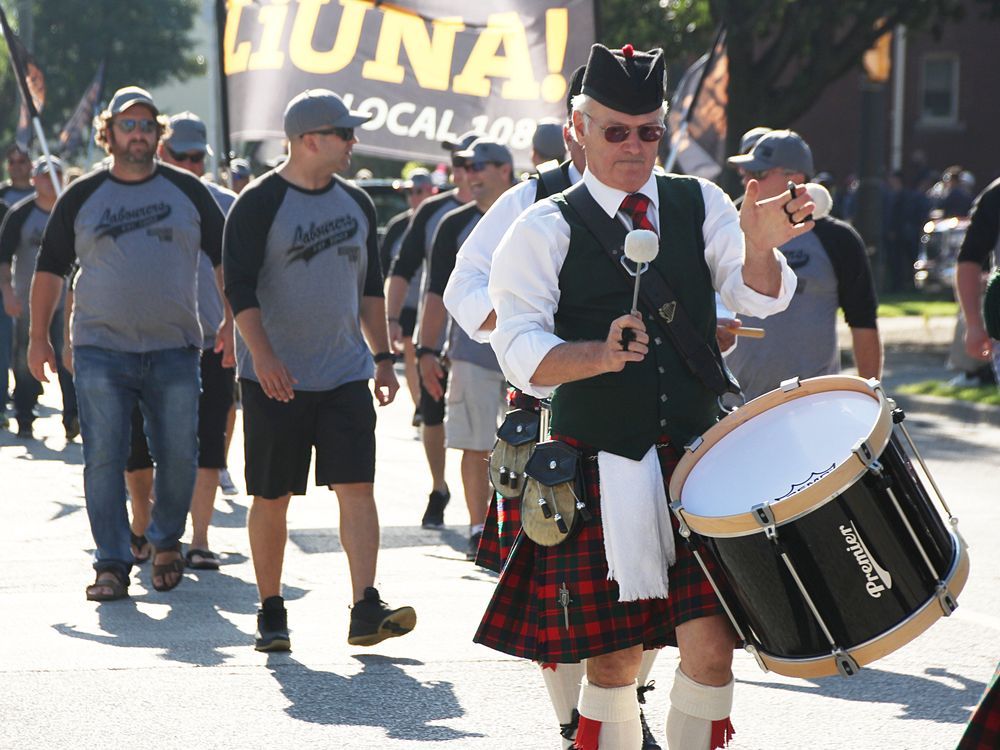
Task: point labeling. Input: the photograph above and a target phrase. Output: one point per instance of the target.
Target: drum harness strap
(657, 300)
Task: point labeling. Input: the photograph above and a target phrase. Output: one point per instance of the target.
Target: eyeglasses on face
(479, 166)
(128, 124)
(344, 134)
(620, 133)
(195, 157)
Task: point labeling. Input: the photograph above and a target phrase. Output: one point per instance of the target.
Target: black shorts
(278, 438)
(213, 410)
(431, 411)
(408, 320)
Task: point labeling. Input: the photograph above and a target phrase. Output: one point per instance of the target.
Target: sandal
(141, 548)
(163, 570)
(108, 580)
(201, 559)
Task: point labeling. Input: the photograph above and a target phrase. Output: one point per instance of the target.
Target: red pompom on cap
(628, 50)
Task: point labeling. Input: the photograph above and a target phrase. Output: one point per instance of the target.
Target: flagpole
(220, 33)
(689, 112)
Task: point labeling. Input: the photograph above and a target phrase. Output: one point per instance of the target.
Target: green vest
(626, 412)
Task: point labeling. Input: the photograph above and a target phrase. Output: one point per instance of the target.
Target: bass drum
(832, 553)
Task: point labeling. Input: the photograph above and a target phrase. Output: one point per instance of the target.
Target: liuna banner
(427, 71)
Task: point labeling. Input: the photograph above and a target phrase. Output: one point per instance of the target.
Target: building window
(939, 97)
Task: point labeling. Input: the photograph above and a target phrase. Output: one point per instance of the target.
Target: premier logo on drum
(877, 578)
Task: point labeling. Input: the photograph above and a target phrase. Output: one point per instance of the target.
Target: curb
(964, 411)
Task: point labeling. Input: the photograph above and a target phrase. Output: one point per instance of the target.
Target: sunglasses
(479, 166)
(195, 157)
(344, 134)
(620, 133)
(128, 124)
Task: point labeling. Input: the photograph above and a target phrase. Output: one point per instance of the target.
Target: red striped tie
(635, 206)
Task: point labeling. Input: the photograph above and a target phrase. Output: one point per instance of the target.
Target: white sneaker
(226, 483)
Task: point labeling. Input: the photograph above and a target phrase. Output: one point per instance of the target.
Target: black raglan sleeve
(984, 227)
(373, 277)
(10, 230)
(393, 232)
(412, 250)
(58, 251)
(209, 212)
(444, 249)
(855, 285)
(245, 239)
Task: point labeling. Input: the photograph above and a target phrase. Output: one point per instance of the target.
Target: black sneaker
(372, 621)
(25, 431)
(473, 550)
(418, 418)
(72, 428)
(648, 740)
(272, 626)
(434, 515)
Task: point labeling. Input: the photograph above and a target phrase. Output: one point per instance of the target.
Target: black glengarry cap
(625, 80)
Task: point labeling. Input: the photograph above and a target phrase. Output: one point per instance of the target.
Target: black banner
(427, 71)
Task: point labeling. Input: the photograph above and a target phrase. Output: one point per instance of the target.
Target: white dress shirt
(524, 277)
(466, 295)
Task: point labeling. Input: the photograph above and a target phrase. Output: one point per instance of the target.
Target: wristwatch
(422, 350)
(383, 356)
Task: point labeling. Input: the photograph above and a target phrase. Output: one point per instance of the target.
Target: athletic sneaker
(434, 515)
(72, 427)
(473, 550)
(272, 626)
(372, 621)
(226, 483)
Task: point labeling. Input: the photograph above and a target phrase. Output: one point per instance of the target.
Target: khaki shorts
(476, 400)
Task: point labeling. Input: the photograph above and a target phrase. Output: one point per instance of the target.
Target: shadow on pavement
(317, 541)
(194, 630)
(39, 450)
(382, 695)
(948, 699)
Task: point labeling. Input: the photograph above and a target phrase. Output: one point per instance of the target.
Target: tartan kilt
(983, 730)
(524, 617)
(503, 523)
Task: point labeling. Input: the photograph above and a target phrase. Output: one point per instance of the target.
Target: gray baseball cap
(418, 177)
(548, 139)
(316, 109)
(486, 150)
(240, 169)
(187, 133)
(41, 165)
(129, 96)
(779, 148)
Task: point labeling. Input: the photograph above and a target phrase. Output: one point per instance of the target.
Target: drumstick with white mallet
(821, 197)
(641, 247)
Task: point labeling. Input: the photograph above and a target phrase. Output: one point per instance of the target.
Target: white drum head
(779, 452)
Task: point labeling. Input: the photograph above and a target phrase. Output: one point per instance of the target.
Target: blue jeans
(166, 384)
(6, 357)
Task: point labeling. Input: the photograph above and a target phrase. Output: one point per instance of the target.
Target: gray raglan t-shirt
(138, 245)
(305, 258)
(210, 307)
(20, 240)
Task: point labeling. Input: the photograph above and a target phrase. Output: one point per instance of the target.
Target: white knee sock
(646, 666)
(699, 714)
(609, 718)
(563, 683)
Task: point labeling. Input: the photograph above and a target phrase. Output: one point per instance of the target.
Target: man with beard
(303, 277)
(136, 229)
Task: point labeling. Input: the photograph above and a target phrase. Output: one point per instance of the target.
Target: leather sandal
(141, 548)
(163, 570)
(108, 580)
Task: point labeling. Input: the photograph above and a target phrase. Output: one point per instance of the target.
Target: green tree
(144, 43)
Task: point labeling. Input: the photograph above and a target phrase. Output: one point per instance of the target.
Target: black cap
(625, 80)
(575, 88)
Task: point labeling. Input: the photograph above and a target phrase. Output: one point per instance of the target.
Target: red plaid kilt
(524, 617)
(503, 524)
(983, 731)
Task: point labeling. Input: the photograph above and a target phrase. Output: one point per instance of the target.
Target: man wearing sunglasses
(562, 309)
(137, 229)
(405, 288)
(833, 274)
(185, 148)
(303, 277)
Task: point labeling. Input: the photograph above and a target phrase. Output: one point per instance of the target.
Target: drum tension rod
(764, 516)
(846, 663)
(947, 601)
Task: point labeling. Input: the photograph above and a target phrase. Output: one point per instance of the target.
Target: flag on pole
(75, 132)
(698, 113)
(30, 82)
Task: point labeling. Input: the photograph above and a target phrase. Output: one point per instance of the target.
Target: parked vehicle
(934, 268)
(388, 196)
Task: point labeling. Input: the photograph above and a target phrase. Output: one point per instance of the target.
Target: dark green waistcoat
(626, 412)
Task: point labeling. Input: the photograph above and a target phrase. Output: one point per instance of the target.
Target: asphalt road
(177, 670)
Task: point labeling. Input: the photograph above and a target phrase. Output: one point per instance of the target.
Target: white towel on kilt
(638, 537)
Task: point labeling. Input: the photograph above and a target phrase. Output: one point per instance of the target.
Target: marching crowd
(159, 300)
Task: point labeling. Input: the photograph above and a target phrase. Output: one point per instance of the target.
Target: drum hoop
(884, 644)
(808, 499)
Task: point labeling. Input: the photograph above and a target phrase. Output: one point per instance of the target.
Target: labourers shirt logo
(116, 223)
(309, 242)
